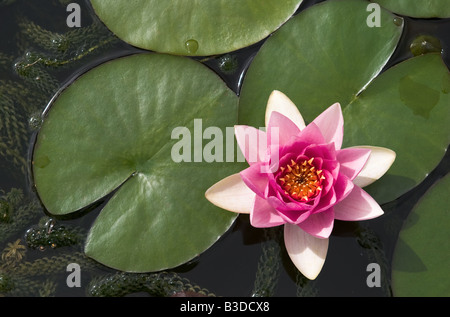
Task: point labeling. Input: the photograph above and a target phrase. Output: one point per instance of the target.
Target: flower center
(301, 180)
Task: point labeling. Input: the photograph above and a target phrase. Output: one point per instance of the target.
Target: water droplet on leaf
(191, 46)
(398, 21)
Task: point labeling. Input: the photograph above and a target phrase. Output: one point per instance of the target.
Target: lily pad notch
(111, 131)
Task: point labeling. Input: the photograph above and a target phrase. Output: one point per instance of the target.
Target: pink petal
(309, 135)
(324, 151)
(254, 179)
(352, 161)
(273, 158)
(264, 215)
(358, 205)
(328, 183)
(280, 129)
(290, 212)
(320, 224)
(306, 252)
(326, 201)
(252, 143)
(343, 187)
(331, 124)
(331, 166)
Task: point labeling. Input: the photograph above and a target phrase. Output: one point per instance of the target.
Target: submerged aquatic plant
(5, 211)
(160, 284)
(14, 252)
(19, 211)
(301, 178)
(27, 83)
(52, 235)
(268, 270)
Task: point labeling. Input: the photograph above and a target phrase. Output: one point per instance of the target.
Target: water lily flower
(301, 178)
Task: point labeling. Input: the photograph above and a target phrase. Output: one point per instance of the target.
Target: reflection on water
(39, 55)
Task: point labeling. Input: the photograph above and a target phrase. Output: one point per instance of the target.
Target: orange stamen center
(301, 180)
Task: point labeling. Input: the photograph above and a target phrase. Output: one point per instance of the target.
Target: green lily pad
(199, 28)
(422, 255)
(405, 109)
(418, 8)
(325, 54)
(111, 131)
(316, 63)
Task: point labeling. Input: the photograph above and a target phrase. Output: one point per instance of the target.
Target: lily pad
(111, 131)
(199, 28)
(316, 63)
(422, 255)
(325, 54)
(407, 110)
(418, 8)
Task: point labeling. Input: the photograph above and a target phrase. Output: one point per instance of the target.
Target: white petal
(232, 194)
(379, 162)
(308, 253)
(279, 102)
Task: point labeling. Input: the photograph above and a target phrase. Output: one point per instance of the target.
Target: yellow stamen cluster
(301, 180)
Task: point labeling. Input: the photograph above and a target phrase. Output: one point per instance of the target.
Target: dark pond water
(245, 261)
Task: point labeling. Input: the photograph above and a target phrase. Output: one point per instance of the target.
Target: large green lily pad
(422, 255)
(111, 131)
(329, 54)
(407, 110)
(200, 28)
(325, 54)
(418, 8)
